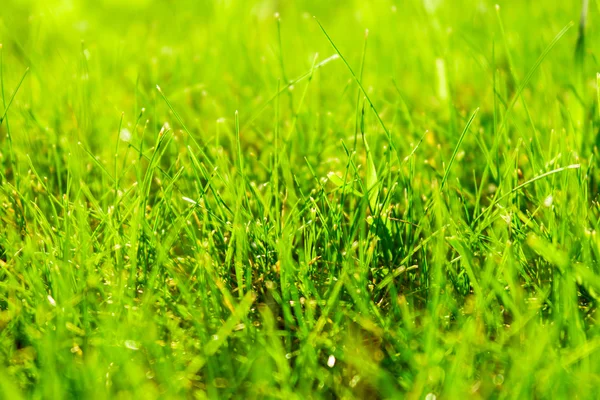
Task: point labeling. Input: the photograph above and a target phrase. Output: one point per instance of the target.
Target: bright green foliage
(299, 209)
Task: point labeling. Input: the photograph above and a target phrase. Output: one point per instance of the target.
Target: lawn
(299, 199)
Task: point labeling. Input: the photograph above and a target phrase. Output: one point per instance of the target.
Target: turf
(263, 199)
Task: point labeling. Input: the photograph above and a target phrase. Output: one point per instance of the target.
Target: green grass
(235, 199)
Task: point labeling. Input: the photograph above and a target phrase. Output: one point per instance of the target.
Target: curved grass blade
(462, 136)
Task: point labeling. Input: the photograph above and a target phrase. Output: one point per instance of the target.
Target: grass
(217, 199)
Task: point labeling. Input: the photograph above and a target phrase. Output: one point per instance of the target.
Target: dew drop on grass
(132, 345)
(125, 135)
(499, 379)
(331, 361)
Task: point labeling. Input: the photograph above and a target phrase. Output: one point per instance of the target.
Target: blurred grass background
(210, 261)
